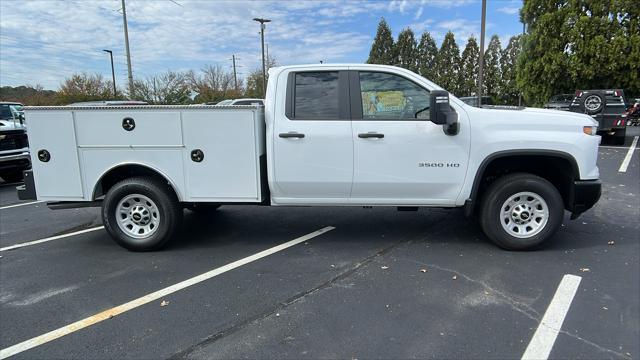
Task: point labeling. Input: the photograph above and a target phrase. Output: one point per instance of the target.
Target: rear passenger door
(313, 147)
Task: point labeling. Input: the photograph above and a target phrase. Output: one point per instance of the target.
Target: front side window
(316, 96)
(392, 97)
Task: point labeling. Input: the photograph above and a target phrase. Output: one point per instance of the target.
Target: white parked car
(243, 101)
(328, 135)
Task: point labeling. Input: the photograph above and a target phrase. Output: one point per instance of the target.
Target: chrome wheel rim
(137, 216)
(524, 215)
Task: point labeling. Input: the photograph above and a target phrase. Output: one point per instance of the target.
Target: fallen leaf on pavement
(611, 242)
(585, 269)
(455, 277)
(384, 267)
(423, 270)
(164, 303)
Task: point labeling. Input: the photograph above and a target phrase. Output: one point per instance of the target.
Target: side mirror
(21, 118)
(441, 112)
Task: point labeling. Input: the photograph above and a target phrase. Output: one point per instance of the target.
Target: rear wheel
(141, 214)
(521, 211)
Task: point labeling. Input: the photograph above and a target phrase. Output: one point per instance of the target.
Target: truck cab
(327, 135)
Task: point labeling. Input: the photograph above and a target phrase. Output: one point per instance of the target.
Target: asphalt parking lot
(374, 283)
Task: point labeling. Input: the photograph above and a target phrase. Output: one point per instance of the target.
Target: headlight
(590, 130)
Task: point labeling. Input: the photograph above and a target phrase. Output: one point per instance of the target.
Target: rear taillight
(616, 93)
(578, 93)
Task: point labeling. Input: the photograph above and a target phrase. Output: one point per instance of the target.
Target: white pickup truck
(328, 135)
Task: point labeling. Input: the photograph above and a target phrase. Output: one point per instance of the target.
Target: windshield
(10, 111)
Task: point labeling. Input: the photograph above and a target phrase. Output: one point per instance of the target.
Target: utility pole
(264, 70)
(113, 74)
(481, 59)
(235, 76)
(126, 43)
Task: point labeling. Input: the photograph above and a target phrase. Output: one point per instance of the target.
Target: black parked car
(607, 107)
(559, 102)
(14, 146)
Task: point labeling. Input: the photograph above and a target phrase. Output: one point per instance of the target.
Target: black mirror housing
(441, 112)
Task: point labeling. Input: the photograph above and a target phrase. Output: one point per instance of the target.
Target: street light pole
(113, 74)
(126, 43)
(481, 58)
(264, 70)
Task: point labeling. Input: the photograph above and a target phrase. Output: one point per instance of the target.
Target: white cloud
(509, 10)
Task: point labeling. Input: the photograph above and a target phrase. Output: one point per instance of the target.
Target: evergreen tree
(447, 68)
(383, 48)
(542, 68)
(492, 76)
(509, 89)
(469, 68)
(406, 49)
(427, 51)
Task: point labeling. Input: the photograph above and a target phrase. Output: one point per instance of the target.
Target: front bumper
(15, 160)
(584, 194)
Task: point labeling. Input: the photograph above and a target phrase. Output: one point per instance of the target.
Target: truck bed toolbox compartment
(207, 153)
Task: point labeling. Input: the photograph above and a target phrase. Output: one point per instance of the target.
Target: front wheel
(141, 214)
(521, 211)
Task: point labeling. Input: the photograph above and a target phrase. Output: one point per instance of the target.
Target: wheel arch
(542, 163)
(127, 170)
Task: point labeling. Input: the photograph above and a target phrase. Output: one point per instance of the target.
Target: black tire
(12, 176)
(164, 201)
(202, 208)
(507, 187)
(620, 136)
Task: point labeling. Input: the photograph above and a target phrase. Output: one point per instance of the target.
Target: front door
(400, 157)
(313, 148)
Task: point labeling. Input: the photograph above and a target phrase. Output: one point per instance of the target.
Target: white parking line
(108, 314)
(34, 242)
(20, 204)
(545, 336)
(627, 159)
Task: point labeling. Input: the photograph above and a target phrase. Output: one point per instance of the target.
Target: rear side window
(316, 96)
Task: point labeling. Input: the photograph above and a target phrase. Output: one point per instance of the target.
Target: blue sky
(42, 42)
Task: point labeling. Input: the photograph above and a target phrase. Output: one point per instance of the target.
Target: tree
(212, 84)
(509, 90)
(406, 49)
(33, 95)
(383, 48)
(492, 75)
(254, 80)
(579, 44)
(167, 88)
(427, 52)
(84, 87)
(469, 68)
(447, 68)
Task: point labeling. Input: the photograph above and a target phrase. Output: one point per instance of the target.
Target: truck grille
(13, 140)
